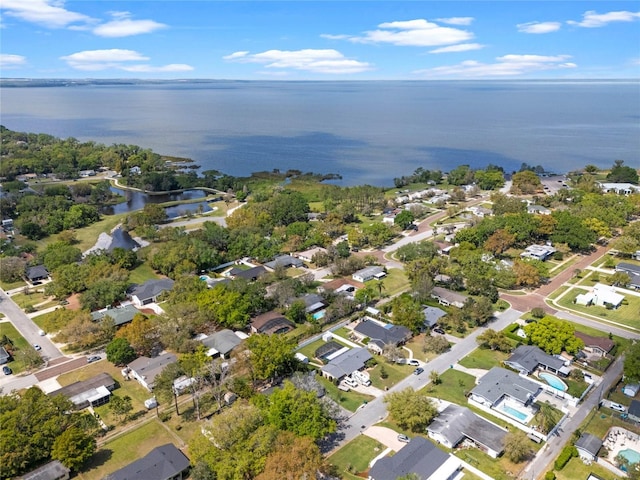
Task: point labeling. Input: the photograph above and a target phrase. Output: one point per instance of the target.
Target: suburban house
(221, 343)
(250, 275)
(619, 188)
(307, 255)
(499, 386)
(87, 173)
(633, 271)
(4, 356)
(50, 471)
(456, 424)
(149, 291)
(601, 295)
(346, 363)
(270, 323)
(284, 261)
(448, 297)
(165, 462)
(538, 210)
(432, 315)
(381, 335)
(526, 358)
(369, 273)
(588, 446)
(119, 315)
(631, 389)
(596, 345)
(420, 457)
(538, 252)
(342, 286)
(329, 350)
(92, 392)
(634, 411)
(145, 369)
(312, 302)
(37, 273)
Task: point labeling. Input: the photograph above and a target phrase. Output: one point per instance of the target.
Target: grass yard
(395, 282)
(309, 350)
(394, 372)
(10, 286)
(576, 468)
(484, 358)
(36, 299)
(625, 315)
(126, 449)
(142, 273)
(453, 387)
(348, 400)
(7, 328)
(415, 345)
(556, 293)
(496, 468)
(87, 236)
(596, 425)
(355, 456)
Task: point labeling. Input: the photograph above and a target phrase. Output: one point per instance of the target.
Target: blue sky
(327, 40)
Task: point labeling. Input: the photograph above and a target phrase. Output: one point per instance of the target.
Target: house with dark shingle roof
(165, 462)
(499, 383)
(596, 345)
(634, 410)
(145, 369)
(588, 446)
(92, 392)
(346, 363)
(455, 424)
(420, 457)
(632, 270)
(250, 275)
(4, 356)
(51, 471)
(284, 261)
(526, 358)
(432, 315)
(381, 335)
(221, 343)
(270, 323)
(448, 297)
(149, 291)
(119, 315)
(37, 273)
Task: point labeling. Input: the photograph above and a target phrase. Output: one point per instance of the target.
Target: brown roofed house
(596, 345)
(270, 323)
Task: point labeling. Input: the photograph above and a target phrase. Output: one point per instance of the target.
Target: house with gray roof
(165, 462)
(50, 471)
(4, 356)
(369, 273)
(634, 411)
(345, 364)
(250, 275)
(432, 315)
(499, 384)
(312, 302)
(221, 343)
(455, 424)
(420, 457)
(149, 291)
(119, 315)
(633, 271)
(37, 273)
(526, 358)
(588, 446)
(145, 369)
(93, 392)
(284, 261)
(381, 335)
(448, 297)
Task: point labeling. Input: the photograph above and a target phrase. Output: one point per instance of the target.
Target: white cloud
(456, 20)
(507, 65)
(310, 60)
(591, 19)
(412, 33)
(539, 27)
(118, 59)
(11, 61)
(49, 13)
(461, 47)
(329, 36)
(124, 26)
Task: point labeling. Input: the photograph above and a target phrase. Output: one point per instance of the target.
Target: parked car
(418, 371)
(93, 358)
(37, 347)
(6, 370)
(438, 330)
(41, 333)
(413, 362)
(403, 438)
(617, 407)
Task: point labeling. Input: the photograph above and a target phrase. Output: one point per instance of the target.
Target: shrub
(549, 476)
(567, 454)
(537, 312)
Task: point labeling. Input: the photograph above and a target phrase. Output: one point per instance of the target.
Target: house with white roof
(601, 295)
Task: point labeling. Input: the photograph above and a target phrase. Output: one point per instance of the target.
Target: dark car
(418, 371)
(439, 330)
(6, 370)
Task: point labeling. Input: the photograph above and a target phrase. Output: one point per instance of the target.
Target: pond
(122, 239)
(135, 200)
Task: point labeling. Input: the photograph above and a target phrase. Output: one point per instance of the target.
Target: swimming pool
(554, 381)
(631, 455)
(522, 416)
(319, 315)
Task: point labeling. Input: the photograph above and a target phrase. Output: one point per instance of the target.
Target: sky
(320, 40)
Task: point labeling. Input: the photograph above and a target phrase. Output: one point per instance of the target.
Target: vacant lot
(355, 456)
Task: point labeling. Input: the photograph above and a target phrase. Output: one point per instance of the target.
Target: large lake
(369, 132)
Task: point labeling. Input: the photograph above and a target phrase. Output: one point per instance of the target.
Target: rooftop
(530, 356)
(498, 382)
(347, 363)
(419, 456)
(161, 463)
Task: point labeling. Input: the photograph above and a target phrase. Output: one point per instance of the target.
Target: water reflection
(137, 200)
(122, 239)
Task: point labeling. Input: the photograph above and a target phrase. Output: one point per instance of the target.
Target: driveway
(386, 436)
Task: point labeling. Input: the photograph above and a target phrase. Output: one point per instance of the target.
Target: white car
(413, 362)
(37, 347)
(617, 407)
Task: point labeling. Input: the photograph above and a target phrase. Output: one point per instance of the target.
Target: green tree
(404, 219)
(271, 355)
(407, 312)
(12, 269)
(298, 411)
(292, 458)
(57, 254)
(297, 312)
(435, 344)
(553, 335)
(73, 448)
(120, 406)
(620, 173)
(410, 409)
(524, 183)
(120, 352)
(517, 446)
(547, 417)
(632, 363)
(494, 340)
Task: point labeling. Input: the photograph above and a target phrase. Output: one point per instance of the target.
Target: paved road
(27, 328)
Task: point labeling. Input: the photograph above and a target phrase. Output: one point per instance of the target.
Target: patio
(619, 439)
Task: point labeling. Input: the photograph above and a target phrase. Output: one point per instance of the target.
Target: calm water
(137, 200)
(369, 132)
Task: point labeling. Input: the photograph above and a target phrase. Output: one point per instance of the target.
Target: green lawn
(348, 400)
(556, 293)
(125, 449)
(35, 299)
(600, 421)
(415, 345)
(496, 468)
(142, 273)
(394, 371)
(355, 456)
(7, 328)
(625, 314)
(395, 282)
(484, 358)
(453, 387)
(10, 286)
(87, 236)
(576, 468)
